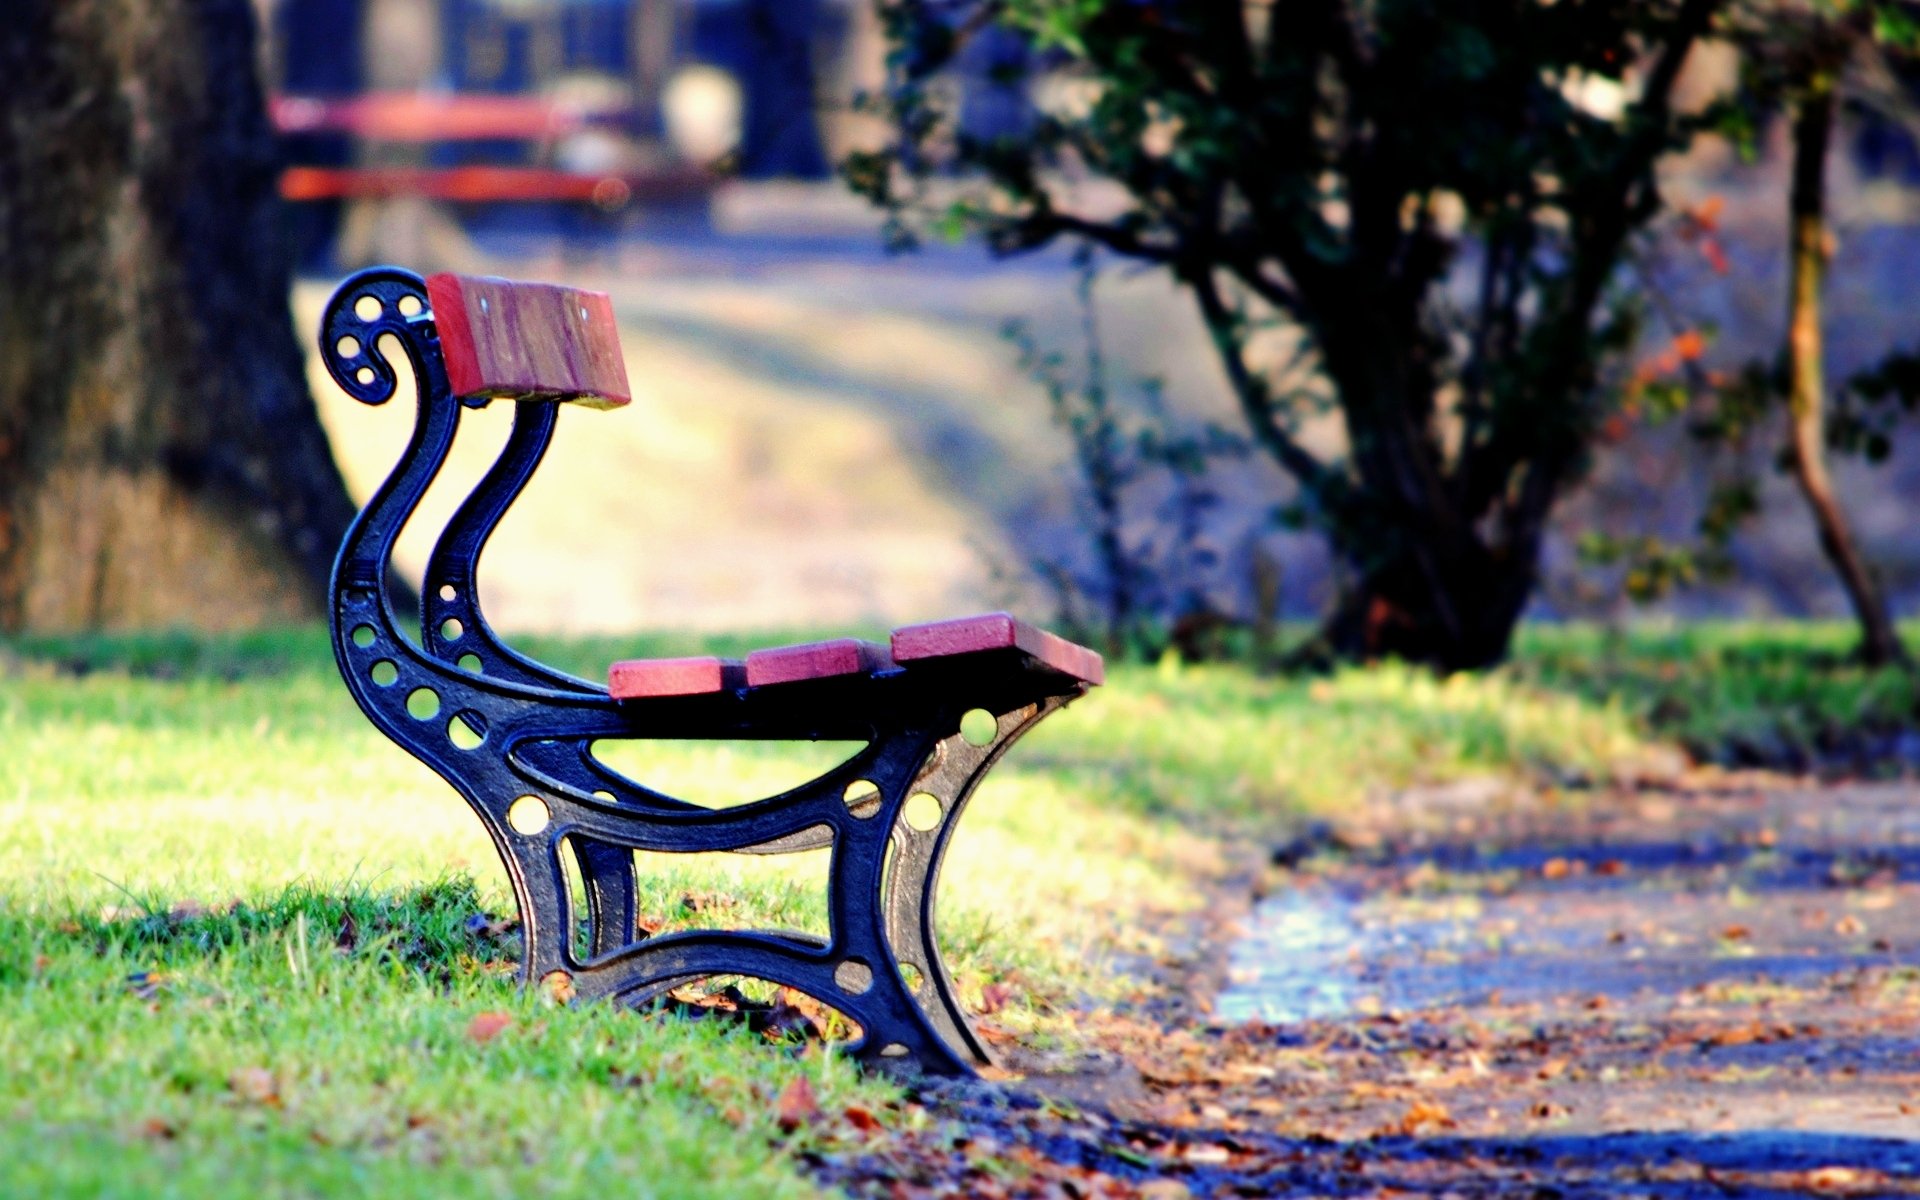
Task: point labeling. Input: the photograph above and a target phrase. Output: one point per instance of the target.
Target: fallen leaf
(255, 1085)
(1735, 933)
(487, 1026)
(797, 1105)
(1424, 1114)
(557, 987)
(146, 984)
(157, 1127)
(861, 1119)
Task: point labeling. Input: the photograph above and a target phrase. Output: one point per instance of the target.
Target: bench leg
(881, 965)
(950, 776)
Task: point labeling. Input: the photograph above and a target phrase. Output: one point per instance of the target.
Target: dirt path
(1705, 991)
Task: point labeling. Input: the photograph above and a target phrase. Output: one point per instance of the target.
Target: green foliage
(1332, 166)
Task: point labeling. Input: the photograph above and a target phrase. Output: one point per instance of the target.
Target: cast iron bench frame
(533, 778)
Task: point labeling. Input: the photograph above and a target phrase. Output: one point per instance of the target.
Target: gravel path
(1708, 990)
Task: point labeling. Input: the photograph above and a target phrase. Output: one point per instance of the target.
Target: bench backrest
(528, 341)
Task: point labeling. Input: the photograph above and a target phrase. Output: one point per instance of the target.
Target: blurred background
(828, 433)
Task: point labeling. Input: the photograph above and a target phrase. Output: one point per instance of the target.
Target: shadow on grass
(436, 929)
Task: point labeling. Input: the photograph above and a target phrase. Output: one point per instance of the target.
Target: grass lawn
(238, 953)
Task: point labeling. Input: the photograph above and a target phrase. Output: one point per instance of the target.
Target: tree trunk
(1458, 619)
(319, 46)
(161, 460)
(1806, 386)
(780, 127)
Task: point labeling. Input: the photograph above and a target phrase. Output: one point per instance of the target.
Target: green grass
(1737, 692)
(189, 821)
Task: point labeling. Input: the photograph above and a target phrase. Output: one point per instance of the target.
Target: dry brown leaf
(557, 987)
(255, 1085)
(1424, 1114)
(487, 1026)
(797, 1105)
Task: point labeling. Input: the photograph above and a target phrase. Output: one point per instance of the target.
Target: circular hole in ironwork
(409, 306)
(979, 727)
(469, 662)
(448, 591)
(364, 375)
(911, 976)
(423, 704)
(451, 629)
(609, 797)
(923, 811)
(467, 730)
(528, 815)
(348, 347)
(383, 673)
(853, 977)
(893, 1050)
(862, 797)
(367, 308)
(362, 636)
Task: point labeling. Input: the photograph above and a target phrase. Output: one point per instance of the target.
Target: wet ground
(1709, 990)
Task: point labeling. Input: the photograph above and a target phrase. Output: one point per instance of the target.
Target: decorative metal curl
(515, 738)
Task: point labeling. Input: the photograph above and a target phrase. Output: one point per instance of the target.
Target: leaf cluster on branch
(1336, 167)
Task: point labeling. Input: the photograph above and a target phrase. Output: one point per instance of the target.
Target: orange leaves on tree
(1700, 226)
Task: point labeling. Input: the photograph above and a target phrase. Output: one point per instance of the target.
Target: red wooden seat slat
(996, 631)
(648, 678)
(502, 339)
(815, 660)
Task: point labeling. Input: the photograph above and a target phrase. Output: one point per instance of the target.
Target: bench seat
(964, 639)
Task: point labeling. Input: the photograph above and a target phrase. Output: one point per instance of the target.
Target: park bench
(384, 118)
(936, 706)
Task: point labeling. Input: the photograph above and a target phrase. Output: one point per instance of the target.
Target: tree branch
(1255, 400)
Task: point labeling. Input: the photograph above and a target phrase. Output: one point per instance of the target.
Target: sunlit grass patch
(1772, 693)
(243, 938)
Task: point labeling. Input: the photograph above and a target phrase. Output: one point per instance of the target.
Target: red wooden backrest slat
(504, 339)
